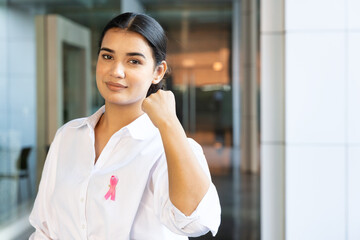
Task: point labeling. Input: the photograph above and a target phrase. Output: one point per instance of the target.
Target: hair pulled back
(147, 27)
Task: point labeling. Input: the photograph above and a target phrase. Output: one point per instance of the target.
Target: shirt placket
(94, 168)
(83, 193)
(82, 209)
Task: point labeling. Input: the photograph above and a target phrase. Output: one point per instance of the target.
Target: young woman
(128, 171)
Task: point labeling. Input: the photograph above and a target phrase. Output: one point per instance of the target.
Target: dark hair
(147, 27)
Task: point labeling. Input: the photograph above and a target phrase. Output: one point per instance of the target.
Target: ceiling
(95, 13)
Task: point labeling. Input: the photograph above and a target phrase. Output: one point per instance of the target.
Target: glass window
(18, 113)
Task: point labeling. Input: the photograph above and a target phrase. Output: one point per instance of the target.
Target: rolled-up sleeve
(206, 216)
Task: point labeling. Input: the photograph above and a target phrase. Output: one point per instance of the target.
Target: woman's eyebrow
(107, 49)
(136, 54)
(127, 54)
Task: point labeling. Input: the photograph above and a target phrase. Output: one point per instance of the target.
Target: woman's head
(149, 29)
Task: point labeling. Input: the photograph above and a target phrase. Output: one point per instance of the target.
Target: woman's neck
(117, 117)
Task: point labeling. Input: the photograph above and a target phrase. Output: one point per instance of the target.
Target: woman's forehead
(120, 39)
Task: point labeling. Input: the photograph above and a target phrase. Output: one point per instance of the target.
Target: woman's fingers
(160, 107)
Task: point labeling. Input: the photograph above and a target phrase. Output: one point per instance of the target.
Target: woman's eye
(134, 61)
(106, 56)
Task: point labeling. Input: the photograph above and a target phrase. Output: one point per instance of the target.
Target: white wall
(352, 58)
(310, 113)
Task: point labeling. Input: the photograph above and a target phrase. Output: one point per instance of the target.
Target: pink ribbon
(113, 181)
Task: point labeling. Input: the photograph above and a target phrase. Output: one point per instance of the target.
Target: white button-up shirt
(71, 201)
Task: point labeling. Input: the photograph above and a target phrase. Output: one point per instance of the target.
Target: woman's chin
(123, 102)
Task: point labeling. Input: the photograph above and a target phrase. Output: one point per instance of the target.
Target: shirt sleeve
(206, 216)
(41, 215)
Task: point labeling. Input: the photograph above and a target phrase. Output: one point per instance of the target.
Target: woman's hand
(160, 107)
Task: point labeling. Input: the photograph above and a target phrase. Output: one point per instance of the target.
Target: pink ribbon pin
(113, 181)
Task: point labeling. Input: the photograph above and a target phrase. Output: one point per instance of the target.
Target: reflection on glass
(200, 67)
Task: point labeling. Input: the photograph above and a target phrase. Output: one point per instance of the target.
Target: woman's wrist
(168, 124)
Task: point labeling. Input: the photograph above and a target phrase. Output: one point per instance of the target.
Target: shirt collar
(93, 119)
(90, 121)
(140, 129)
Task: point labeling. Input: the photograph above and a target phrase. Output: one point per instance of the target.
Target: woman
(128, 171)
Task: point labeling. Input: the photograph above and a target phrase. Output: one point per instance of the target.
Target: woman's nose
(118, 71)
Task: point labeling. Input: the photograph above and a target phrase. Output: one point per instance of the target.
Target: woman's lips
(115, 86)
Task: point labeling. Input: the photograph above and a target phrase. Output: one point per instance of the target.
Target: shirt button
(82, 200)
(83, 226)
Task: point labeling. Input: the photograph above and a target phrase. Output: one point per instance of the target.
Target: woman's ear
(159, 72)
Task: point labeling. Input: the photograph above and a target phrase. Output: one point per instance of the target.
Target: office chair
(23, 170)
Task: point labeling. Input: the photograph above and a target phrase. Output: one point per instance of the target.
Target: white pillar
(272, 120)
(310, 119)
(352, 81)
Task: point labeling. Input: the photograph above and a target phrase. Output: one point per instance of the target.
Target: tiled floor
(239, 195)
(240, 202)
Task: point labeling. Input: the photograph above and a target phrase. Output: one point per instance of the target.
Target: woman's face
(126, 68)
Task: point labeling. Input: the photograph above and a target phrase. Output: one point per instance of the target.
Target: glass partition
(73, 82)
(199, 57)
(17, 115)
